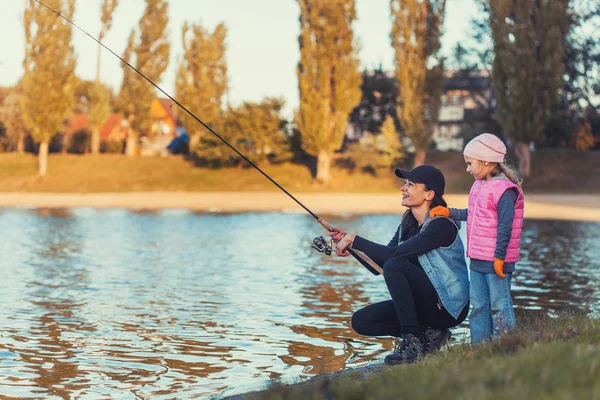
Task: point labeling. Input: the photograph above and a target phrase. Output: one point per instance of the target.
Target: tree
(416, 31)
(256, 129)
(393, 152)
(578, 97)
(328, 77)
(151, 55)
(11, 115)
(259, 126)
(49, 79)
(99, 95)
(529, 42)
(201, 80)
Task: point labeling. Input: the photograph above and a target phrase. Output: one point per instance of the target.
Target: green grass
(544, 359)
(555, 171)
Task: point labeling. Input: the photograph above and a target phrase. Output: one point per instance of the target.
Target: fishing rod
(318, 243)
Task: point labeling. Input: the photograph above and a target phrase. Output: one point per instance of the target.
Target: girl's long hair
(510, 172)
(409, 222)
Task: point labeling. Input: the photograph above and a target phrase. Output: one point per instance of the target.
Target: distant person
(494, 223)
(181, 142)
(424, 269)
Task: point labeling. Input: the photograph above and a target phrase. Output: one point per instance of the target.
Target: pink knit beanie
(486, 147)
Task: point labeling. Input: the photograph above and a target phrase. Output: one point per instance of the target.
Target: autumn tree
(328, 77)
(529, 39)
(49, 78)
(11, 115)
(150, 56)
(393, 151)
(201, 80)
(100, 95)
(256, 129)
(259, 126)
(416, 31)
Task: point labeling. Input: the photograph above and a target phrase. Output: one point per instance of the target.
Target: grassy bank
(556, 171)
(545, 359)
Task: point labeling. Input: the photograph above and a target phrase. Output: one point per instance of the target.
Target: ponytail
(510, 172)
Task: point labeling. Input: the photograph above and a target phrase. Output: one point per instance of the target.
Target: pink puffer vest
(482, 220)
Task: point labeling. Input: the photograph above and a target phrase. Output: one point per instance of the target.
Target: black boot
(434, 339)
(408, 349)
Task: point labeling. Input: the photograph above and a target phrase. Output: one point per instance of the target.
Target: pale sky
(262, 45)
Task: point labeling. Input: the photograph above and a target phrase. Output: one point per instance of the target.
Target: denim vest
(446, 268)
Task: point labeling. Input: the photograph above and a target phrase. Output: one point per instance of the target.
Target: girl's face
(481, 170)
(415, 194)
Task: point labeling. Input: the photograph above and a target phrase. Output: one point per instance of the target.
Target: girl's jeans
(492, 312)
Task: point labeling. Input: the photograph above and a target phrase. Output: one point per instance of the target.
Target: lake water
(172, 304)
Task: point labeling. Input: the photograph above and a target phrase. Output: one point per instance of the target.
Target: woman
(424, 269)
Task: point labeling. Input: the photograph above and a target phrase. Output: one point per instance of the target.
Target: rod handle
(325, 224)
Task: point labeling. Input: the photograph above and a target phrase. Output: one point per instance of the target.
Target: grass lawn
(559, 171)
(545, 359)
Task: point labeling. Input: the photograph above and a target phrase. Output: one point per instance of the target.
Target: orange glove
(439, 211)
(499, 267)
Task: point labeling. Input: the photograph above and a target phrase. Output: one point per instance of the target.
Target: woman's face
(415, 194)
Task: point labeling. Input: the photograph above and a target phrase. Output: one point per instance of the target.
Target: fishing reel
(321, 245)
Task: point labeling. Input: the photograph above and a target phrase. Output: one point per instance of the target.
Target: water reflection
(172, 304)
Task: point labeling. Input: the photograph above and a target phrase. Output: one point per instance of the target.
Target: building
(467, 105)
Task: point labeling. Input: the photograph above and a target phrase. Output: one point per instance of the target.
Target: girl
(494, 223)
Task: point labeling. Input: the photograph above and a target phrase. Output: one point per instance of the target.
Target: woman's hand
(341, 248)
(336, 235)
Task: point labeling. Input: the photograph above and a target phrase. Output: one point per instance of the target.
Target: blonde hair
(510, 172)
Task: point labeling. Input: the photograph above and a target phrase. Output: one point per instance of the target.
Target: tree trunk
(420, 155)
(95, 141)
(524, 154)
(131, 145)
(43, 158)
(21, 143)
(323, 167)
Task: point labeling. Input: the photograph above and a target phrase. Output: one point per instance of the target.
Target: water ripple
(171, 304)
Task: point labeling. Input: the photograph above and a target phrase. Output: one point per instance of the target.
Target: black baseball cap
(427, 174)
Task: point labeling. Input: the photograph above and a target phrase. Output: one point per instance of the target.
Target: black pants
(413, 308)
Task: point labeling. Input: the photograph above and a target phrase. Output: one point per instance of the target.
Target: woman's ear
(429, 195)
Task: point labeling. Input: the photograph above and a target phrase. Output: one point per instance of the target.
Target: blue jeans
(492, 312)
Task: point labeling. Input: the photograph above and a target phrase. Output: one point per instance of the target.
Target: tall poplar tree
(100, 96)
(328, 77)
(529, 41)
(201, 80)
(416, 31)
(49, 79)
(150, 56)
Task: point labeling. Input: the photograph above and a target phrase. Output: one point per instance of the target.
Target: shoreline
(537, 206)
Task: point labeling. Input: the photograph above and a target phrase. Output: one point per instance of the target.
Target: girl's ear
(486, 163)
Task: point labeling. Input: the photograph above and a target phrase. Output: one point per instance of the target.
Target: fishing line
(317, 244)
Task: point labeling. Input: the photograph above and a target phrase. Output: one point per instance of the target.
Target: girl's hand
(341, 248)
(499, 267)
(439, 210)
(336, 235)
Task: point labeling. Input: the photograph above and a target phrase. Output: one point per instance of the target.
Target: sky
(262, 45)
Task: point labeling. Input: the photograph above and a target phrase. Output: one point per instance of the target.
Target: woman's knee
(358, 323)
(395, 265)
